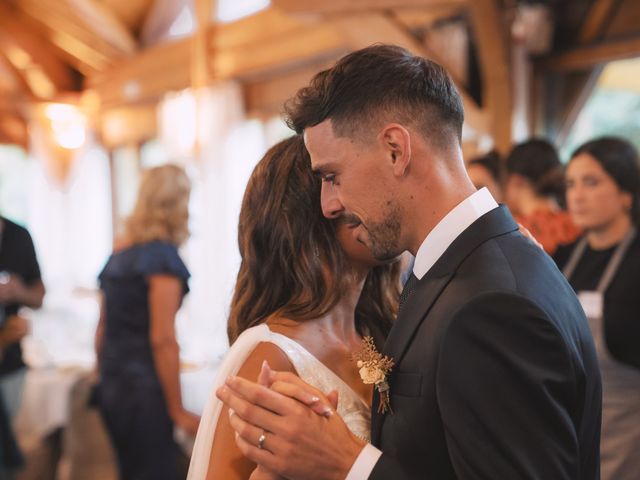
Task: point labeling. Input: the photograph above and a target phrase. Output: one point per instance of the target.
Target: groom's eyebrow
(321, 170)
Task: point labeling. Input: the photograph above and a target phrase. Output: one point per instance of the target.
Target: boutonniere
(374, 369)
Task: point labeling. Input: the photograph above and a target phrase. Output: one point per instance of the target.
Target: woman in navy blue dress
(143, 284)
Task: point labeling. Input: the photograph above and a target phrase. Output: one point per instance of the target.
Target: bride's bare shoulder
(229, 462)
(270, 352)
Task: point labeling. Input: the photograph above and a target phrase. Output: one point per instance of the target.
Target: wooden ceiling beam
(102, 21)
(495, 67)
(38, 30)
(158, 20)
(597, 20)
(350, 6)
(71, 30)
(569, 91)
(13, 130)
(23, 86)
(424, 17)
(132, 13)
(147, 76)
(15, 33)
(589, 56)
(266, 97)
(268, 42)
(262, 27)
(87, 54)
(284, 52)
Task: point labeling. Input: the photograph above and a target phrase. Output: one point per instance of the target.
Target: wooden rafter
(24, 89)
(424, 17)
(199, 57)
(102, 22)
(14, 33)
(268, 42)
(158, 20)
(597, 19)
(491, 41)
(265, 97)
(72, 32)
(579, 85)
(350, 6)
(13, 129)
(566, 79)
(131, 13)
(147, 76)
(589, 56)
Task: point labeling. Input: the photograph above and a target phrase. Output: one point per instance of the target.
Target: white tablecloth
(45, 404)
(45, 400)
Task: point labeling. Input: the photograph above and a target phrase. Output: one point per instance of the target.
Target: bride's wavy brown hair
(292, 265)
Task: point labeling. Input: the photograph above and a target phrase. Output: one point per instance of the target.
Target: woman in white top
(306, 293)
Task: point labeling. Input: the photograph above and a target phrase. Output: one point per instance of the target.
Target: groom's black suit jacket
(496, 375)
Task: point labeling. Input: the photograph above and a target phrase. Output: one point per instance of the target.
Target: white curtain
(71, 226)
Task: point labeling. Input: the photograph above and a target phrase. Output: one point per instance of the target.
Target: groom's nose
(331, 206)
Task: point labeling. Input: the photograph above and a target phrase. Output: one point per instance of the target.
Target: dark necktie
(407, 290)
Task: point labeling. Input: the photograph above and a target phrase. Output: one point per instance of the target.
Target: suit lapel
(416, 308)
(494, 223)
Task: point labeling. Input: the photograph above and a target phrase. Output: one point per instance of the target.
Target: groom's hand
(298, 443)
(293, 386)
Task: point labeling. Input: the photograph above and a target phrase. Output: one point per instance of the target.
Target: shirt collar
(450, 227)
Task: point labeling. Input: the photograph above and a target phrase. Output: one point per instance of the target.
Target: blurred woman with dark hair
(534, 193)
(484, 171)
(306, 294)
(603, 266)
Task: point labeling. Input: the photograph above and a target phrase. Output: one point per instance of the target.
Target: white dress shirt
(438, 240)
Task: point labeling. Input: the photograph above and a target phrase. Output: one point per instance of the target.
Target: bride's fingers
(313, 398)
(332, 396)
(265, 374)
(260, 456)
(251, 434)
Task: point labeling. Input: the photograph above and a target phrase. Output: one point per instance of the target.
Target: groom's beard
(384, 236)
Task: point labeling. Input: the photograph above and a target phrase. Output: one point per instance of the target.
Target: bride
(306, 293)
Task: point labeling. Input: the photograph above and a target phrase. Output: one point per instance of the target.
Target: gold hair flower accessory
(374, 368)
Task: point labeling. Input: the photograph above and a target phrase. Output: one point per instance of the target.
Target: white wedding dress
(353, 410)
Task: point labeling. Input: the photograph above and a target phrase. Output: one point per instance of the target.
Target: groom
(495, 371)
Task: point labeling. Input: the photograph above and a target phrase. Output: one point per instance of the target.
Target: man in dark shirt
(20, 286)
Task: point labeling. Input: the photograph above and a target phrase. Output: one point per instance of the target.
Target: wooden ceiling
(48, 49)
(53, 49)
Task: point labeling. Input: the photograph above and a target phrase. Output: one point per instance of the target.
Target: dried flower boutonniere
(374, 368)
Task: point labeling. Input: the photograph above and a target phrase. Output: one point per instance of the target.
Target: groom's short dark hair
(381, 82)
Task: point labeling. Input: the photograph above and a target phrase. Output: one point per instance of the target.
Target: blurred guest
(484, 171)
(20, 286)
(143, 284)
(10, 455)
(603, 188)
(534, 193)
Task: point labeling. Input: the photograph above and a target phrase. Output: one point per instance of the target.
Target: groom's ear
(395, 141)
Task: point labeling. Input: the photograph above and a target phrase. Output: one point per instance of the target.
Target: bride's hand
(261, 473)
(524, 231)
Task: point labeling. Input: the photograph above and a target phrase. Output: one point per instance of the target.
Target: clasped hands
(303, 436)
